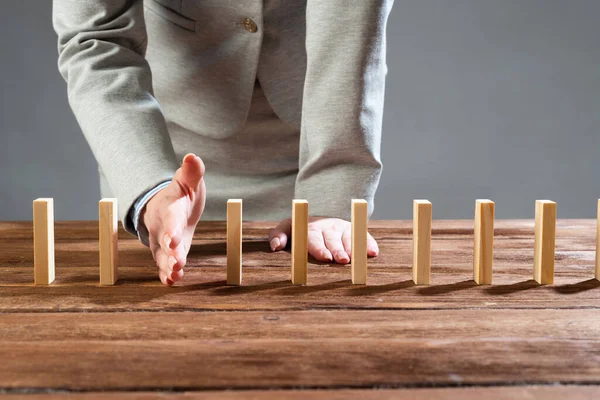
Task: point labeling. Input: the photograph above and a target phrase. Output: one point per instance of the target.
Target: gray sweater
(149, 81)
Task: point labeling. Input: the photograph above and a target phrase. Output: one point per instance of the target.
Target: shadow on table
(220, 248)
(512, 288)
(125, 293)
(366, 290)
(297, 289)
(435, 290)
(282, 288)
(578, 287)
(227, 290)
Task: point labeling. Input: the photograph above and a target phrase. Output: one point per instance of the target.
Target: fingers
(170, 263)
(372, 247)
(192, 171)
(176, 275)
(333, 241)
(163, 278)
(347, 241)
(316, 245)
(168, 271)
(278, 237)
(165, 264)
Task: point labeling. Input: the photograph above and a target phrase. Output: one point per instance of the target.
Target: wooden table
(330, 339)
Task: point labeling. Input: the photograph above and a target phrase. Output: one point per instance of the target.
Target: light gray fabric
(310, 130)
(259, 163)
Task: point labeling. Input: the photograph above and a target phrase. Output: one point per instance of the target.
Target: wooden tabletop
(329, 339)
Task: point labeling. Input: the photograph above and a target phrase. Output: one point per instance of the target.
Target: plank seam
(376, 386)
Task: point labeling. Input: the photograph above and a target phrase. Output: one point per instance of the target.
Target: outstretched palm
(171, 217)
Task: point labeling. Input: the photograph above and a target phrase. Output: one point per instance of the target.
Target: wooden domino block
(108, 226)
(43, 241)
(421, 241)
(360, 216)
(234, 242)
(598, 243)
(483, 251)
(299, 242)
(544, 242)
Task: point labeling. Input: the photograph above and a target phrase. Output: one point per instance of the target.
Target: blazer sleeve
(342, 108)
(101, 45)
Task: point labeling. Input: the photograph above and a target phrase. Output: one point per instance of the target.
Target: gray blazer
(320, 63)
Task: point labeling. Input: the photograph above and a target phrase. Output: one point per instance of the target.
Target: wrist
(140, 208)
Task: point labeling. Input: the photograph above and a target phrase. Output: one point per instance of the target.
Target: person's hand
(171, 217)
(328, 239)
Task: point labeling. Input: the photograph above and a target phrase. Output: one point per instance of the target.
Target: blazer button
(249, 25)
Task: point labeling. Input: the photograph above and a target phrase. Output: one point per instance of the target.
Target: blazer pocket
(170, 15)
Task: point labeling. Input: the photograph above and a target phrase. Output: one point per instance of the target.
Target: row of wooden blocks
(483, 253)
(43, 241)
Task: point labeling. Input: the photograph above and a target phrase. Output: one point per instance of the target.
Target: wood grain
(269, 338)
(357, 349)
(267, 284)
(565, 324)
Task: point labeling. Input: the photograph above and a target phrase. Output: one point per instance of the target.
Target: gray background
(491, 99)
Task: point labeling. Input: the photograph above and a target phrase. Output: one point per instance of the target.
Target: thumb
(192, 171)
(278, 236)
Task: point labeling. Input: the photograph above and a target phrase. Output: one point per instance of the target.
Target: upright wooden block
(421, 241)
(109, 241)
(483, 251)
(299, 242)
(360, 217)
(43, 241)
(598, 243)
(544, 242)
(234, 242)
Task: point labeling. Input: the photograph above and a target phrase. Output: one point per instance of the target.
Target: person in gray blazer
(282, 99)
